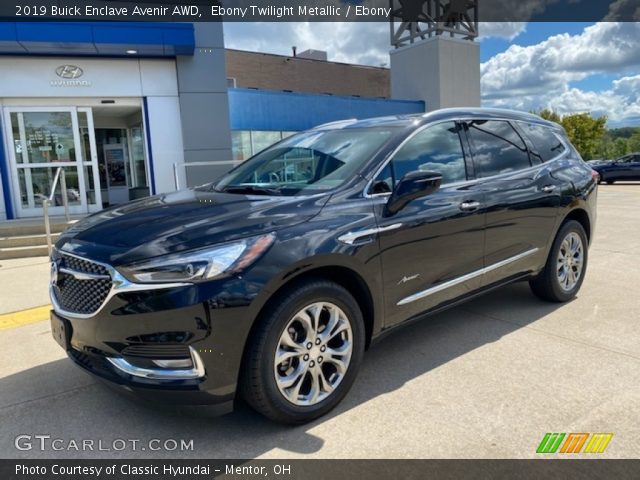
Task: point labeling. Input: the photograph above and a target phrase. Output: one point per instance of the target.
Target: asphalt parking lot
(484, 380)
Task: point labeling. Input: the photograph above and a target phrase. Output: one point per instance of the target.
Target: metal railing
(60, 173)
(176, 166)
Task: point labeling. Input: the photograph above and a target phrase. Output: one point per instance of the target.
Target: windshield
(306, 163)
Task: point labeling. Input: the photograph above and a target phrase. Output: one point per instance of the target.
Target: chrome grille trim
(119, 284)
(83, 275)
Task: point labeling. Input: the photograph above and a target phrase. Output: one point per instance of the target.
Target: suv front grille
(77, 293)
(82, 265)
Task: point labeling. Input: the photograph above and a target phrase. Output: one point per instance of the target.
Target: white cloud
(539, 76)
(508, 30)
(363, 43)
(604, 47)
(623, 9)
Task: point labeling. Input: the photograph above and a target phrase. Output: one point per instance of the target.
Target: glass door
(89, 159)
(41, 139)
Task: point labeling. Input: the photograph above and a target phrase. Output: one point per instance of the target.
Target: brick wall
(278, 72)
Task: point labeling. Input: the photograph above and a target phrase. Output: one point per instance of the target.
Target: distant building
(309, 74)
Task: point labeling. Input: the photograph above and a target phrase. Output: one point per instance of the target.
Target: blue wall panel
(96, 38)
(274, 110)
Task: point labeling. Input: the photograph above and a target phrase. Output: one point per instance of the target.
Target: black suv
(270, 283)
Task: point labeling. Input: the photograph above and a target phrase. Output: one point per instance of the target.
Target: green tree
(620, 147)
(585, 132)
(548, 114)
(634, 142)
(605, 147)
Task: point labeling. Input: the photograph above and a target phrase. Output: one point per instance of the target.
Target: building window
(263, 139)
(241, 144)
(246, 143)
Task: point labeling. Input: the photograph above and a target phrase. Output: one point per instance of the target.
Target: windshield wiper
(253, 189)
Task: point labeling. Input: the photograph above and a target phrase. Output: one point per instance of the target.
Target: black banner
(444, 11)
(319, 469)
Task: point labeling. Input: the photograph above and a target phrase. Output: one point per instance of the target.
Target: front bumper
(180, 345)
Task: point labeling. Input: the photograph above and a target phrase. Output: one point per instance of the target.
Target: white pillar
(443, 72)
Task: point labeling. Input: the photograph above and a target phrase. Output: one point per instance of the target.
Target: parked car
(271, 283)
(623, 168)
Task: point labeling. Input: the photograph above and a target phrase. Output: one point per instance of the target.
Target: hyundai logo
(69, 71)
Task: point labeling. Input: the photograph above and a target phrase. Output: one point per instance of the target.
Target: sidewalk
(24, 284)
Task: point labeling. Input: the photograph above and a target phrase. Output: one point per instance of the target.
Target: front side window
(435, 149)
(497, 147)
(546, 143)
(307, 163)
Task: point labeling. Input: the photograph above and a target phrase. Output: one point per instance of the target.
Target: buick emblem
(69, 71)
(54, 274)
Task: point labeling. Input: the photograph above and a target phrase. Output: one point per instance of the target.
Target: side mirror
(413, 185)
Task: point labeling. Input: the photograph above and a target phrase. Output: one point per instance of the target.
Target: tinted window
(312, 161)
(434, 149)
(497, 147)
(547, 145)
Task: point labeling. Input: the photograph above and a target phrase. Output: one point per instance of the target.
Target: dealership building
(133, 109)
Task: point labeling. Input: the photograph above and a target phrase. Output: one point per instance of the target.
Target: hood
(180, 221)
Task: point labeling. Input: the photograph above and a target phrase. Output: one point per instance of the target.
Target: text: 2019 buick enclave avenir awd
(270, 283)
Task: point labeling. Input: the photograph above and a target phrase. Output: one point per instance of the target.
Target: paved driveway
(487, 379)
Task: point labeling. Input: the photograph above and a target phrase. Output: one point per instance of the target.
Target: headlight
(199, 265)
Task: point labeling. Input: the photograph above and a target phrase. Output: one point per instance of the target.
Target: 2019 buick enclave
(270, 283)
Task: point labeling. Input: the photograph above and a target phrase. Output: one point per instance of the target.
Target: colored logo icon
(574, 442)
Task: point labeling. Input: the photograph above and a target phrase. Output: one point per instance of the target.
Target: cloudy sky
(569, 67)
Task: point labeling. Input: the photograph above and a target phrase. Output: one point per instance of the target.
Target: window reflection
(246, 143)
(497, 147)
(434, 149)
(546, 143)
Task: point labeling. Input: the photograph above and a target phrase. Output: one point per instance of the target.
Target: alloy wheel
(313, 353)
(570, 261)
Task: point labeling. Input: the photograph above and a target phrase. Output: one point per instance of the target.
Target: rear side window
(545, 142)
(497, 147)
(435, 149)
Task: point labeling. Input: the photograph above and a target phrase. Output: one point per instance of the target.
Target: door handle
(548, 188)
(469, 206)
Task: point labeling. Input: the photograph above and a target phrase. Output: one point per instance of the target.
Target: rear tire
(566, 265)
(305, 354)
(610, 182)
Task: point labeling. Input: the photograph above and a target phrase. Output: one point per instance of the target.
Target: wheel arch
(346, 277)
(581, 216)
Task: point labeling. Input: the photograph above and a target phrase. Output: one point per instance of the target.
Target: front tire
(566, 265)
(305, 354)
